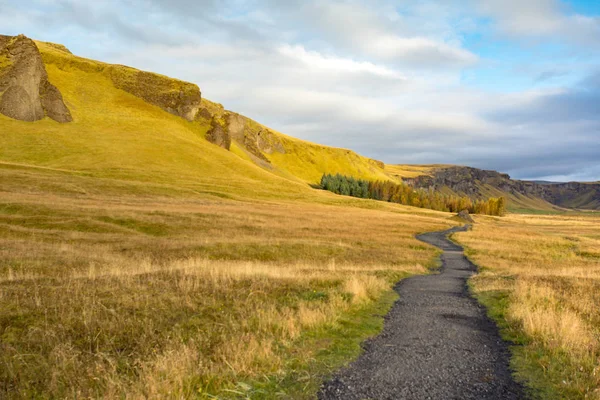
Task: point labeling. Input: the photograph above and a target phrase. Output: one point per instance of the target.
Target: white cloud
(382, 77)
(377, 30)
(419, 50)
(313, 59)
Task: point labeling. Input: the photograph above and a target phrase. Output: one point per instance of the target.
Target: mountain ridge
(469, 181)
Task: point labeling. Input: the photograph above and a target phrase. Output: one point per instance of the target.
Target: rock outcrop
(469, 181)
(218, 135)
(255, 138)
(26, 93)
(227, 127)
(174, 96)
(465, 216)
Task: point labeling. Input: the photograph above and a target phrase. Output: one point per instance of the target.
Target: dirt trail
(437, 343)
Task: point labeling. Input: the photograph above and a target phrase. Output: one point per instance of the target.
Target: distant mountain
(546, 182)
(479, 183)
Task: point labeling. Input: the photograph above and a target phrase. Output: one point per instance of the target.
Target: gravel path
(437, 343)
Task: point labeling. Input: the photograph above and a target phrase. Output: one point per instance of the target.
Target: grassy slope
(117, 135)
(310, 161)
(99, 107)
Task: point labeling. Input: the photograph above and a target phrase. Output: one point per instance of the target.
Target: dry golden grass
(541, 278)
(411, 170)
(147, 296)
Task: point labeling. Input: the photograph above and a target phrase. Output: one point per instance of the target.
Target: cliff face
(172, 95)
(227, 127)
(26, 94)
(252, 136)
(469, 181)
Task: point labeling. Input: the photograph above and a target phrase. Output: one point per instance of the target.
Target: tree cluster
(407, 195)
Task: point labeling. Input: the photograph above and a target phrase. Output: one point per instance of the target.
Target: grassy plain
(119, 289)
(540, 280)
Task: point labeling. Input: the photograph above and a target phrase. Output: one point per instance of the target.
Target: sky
(509, 85)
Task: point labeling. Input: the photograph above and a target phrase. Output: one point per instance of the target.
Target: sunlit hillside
(118, 135)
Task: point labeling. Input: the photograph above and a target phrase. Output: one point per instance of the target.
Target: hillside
(521, 195)
(135, 125)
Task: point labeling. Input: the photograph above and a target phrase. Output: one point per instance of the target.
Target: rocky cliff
(255, 138)
(172, 95)
(25, 92)
(227, 127)
(472, 181)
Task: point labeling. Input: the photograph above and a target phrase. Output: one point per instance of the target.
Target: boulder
(26, 93)
(465, 216)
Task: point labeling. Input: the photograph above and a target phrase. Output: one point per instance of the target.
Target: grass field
(107, 294)
(540, 280)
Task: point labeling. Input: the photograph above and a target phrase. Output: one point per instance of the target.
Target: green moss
(4, 62)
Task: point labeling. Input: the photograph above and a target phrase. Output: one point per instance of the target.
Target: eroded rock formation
(218, 135)
(172, 95)
(25, 92)
(252, 136)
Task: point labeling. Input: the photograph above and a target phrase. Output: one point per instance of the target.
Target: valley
(155, 245)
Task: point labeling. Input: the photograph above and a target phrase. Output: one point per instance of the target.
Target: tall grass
(541, 279)
(144, 296)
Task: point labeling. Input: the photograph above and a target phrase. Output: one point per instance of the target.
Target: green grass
(309, 161)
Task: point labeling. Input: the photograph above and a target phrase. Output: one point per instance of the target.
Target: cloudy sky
(511, 85)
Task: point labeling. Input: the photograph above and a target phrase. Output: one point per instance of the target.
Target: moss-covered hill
(134, 125)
